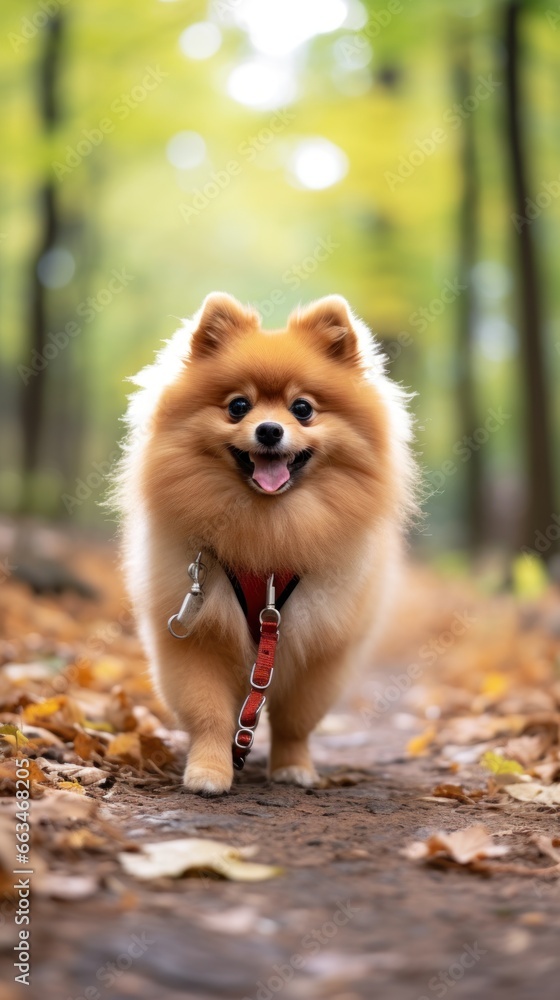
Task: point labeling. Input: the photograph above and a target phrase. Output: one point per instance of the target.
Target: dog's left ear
(220, 319)
(329, 322)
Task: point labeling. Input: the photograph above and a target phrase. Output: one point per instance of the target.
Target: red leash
(261, 676)
(263, 627)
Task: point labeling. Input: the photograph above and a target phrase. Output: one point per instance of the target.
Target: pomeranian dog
(285, 453)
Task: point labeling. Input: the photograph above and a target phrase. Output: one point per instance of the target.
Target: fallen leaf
(344, 779)
(530, 578)
(119, 711)
(60, 806)
(548, 846)
(12, 735)
(494, 684)
(155, 751)
(532, 791)
(172, 858)
(58, 714)
(74, 772)
(528, 749)
(456, 792)
(126, 746)
(71, 786)
(86, 745)
(9, 769)
(418, 745)
(81, 840)
(472, 844)
(500, 765)
(60, 886)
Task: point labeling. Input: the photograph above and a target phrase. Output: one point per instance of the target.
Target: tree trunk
(468, 240)
(34, 393)
(540, 489)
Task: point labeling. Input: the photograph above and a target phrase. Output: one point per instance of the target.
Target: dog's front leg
(294, 711)
(204, 688)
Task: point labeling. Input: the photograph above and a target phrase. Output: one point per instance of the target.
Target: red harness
(263, 620)
(250, 591)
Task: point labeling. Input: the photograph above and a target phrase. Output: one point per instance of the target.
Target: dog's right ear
(220, 319)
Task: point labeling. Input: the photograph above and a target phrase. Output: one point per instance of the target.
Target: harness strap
(250, 590)
(261, 676)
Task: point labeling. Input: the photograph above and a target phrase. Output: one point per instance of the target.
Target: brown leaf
(126, 747)
(86, 745)
(119, 711)
(463, 846)
(457, 792)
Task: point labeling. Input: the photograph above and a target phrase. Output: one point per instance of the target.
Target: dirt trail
(404, 930)
(350, 917)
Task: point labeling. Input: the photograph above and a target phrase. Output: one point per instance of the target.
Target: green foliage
(393, 244)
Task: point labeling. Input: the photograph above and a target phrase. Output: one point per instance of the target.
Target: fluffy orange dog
(284, 452)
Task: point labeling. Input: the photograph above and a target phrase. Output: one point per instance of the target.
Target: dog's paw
(206, 781)
(295, 775)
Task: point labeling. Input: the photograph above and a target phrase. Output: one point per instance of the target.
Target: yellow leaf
(100, 727)
(71, 786)
(418, 745)
(500, 765)
(12, 734)
(109, 670)
(495, 685)
(126, 746)
(530, 579)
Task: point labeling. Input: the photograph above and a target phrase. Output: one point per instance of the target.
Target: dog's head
(281, 428)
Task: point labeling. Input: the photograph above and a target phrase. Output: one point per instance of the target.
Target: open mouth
(271, 472)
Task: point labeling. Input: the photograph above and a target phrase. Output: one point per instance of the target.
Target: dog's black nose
(269, 434)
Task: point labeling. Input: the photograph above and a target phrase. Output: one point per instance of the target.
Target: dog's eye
(239, 407)
(302, 409)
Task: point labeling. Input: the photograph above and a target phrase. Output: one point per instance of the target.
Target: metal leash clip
(192, 602)
(270, 612)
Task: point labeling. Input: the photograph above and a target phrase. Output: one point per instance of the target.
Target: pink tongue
(270, 475)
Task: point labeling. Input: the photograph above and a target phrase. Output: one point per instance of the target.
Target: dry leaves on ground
(172, 858)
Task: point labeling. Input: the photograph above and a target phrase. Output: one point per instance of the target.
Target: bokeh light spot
(186, 150)
(200, 40)
(56, 268)
(317, 164)
(262, 83)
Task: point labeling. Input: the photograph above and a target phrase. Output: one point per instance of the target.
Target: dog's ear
(329, 322)
(219, 320)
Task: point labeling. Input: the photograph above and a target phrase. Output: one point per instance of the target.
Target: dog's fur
(338, 523)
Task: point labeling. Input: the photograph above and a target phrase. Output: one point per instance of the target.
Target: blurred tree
(540, 504)
(468, 249)
(34, 392)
